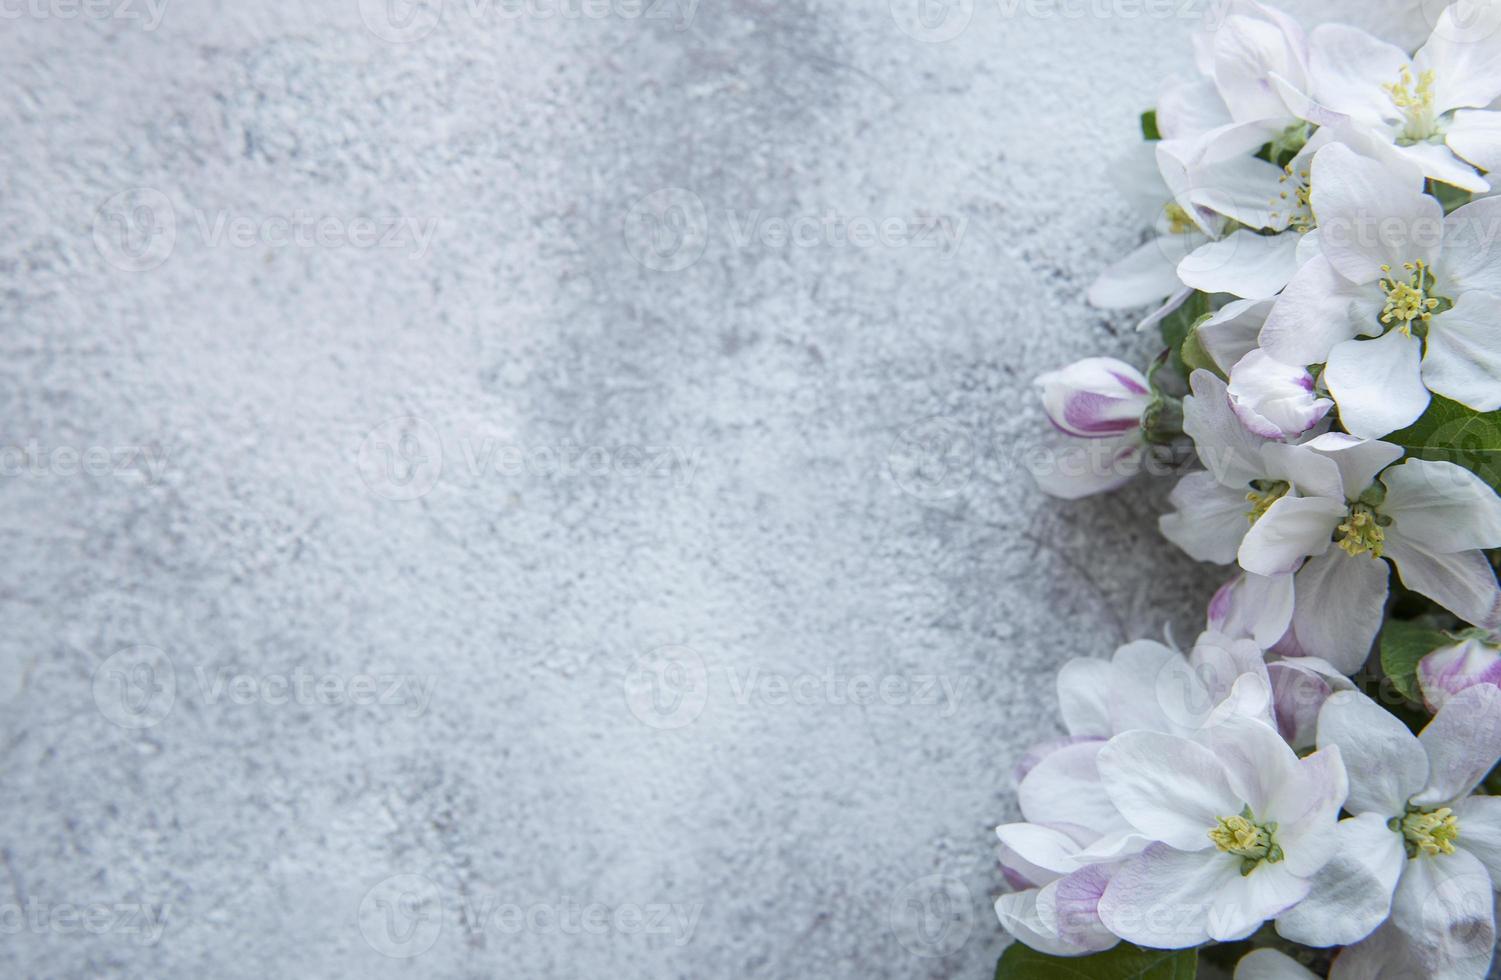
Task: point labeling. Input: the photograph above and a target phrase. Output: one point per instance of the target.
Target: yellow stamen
(1408, 300)
(1178, 221)
(1361, 533)
(1241, 836)
(1415, 99)
(1430, 832)
(1262, 496)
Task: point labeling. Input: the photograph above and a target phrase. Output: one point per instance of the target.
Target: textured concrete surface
(535, 491)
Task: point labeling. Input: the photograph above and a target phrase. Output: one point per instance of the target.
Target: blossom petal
(1340, 600)
(1083, 468)
(1208, 520)
(1228, 450)
(1386, 763)
(1443, 505)
(1378, 384)
(1318, 310)
(1359, 460)
(1271, 964)
(1462, 582)
(1247, 901)
(1476, 136)
(1065, 788)
(1344, 63)
(1018, 915)
(1371, 216)
(1169, 788)
(1438, 162)
(1076, 909)
(1275, 400)
(1232, 332)
(1162, 897)
(1143, 277)
(1444, 908)
(1384, 955)
(1464, 55)
(1472, 247)
(1463, 742)
(1464, 352)
(1291, 529)
(1084, 696)
(1451, 669)
(1096, 397)
(1352, 893)
(1243, 264)
(1480, 831)
(1041, 846)
(1255, 606)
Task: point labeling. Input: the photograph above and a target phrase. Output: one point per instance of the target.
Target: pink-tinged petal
(1345, 64)
(1271, 964)
(1018, 915)
(1385, 762)
(1372, 216)
(1168, 788)
(1065, 788)
(1480, 832)
(1463, 742)
(1162, 898)
(1359, 460)
(1076, 909)
(1378, 384)
(1475, 136)
(1444, 506)
(1472, 248)
(1340, 600)
(1462, 582)
(1464, 352)
(1084, 468)
(1208, 520)
(1042, 750)
(1464, 55)
(1318, 310)
(1232, 332)
(1228, 450)
(1451, 669)
(1098, 397)
(1250, 900)
(1145, 276)
(1244, 264)
(1275, 400)
(1444, 909)
(1352, 893)
(1259, 607)
(1292, 529)
(1084, 696)
(1300, 687)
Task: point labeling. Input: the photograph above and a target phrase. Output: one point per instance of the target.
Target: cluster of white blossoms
(1310, 780)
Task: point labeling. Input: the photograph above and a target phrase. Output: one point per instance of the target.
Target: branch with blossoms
(1306, 792)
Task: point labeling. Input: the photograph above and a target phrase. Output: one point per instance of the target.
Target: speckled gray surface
(452, 531)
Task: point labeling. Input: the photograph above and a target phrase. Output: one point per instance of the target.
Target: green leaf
(1193, 354)
(1149, 128)
(1124, 962)
(1450, 432)
(1177, 325)
(1403, 644)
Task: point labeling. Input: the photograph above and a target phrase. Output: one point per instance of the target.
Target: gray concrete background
(681, 494)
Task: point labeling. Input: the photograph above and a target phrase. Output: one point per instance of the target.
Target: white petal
(1244, 264)
(1256, 606)
(1047, 848)
(1262, 770)
(1352, 894)
(1462, 582)
(1311, 474)
(1065, 788)
(1463, 742)
(1347, 66)
(1445, 909)
(1444, 506)
(1226, 448)
(1169, 788)
(1243, 188)
(1247, 901)
(1385, 955)
(1340, 600)
(1084, 696)
(1378, 384)
(1480, 831)
(1271, 964)
(1162, 898)
(1372, 215)
(1386, 763)
(1275, 400)
(1439, 163)
(1476, 137)
(1359, 460)
(1232, 332)
(1246, 51)
(1145, 276)
(1464, 352)
(1291, 529)
(1472, 248)
(1208, 520)
(1169, 307)
(1307, 806)
(1318, 310)
(1190, 109)
(1464, 55)
(1018, 915)
(1138, 672)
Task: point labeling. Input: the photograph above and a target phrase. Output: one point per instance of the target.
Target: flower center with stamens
(1178, 221)
(1300, 217)
(1263, 494)
(1429, 832)
(1411, 299)
(1414, 99)
(1243, 837)
(1363, 532)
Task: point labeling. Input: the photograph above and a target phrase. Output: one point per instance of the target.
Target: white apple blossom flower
(1393, 269)
(1241, 825)
(1097, 404)
(1275, 400)
(1420, 849)
(1433, 107)
(1233, 331)
(1475, 659)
